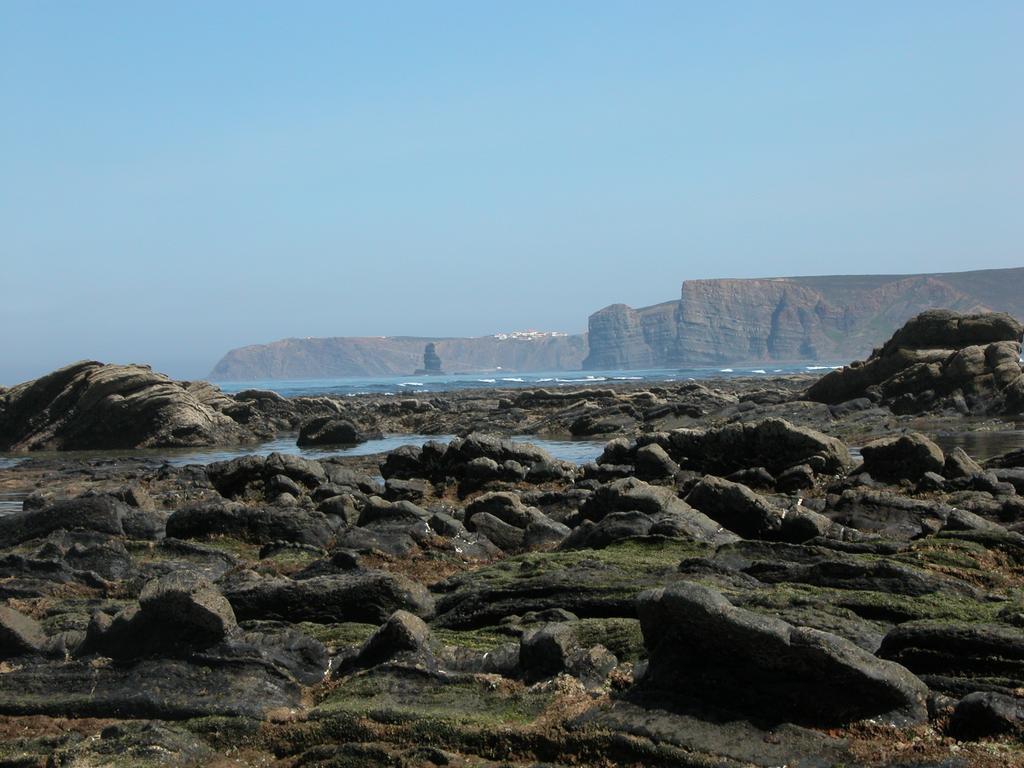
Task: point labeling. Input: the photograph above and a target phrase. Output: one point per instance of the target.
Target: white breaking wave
(726, 370)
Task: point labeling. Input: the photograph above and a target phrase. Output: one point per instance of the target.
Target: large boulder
(476, 457)
(97, 514)
(177, 614)
(259, 525)
(89, 405)
(939, 360)
(403, 636)
(959, 658)
(659, 503)
(984, 713)
(19, 634)
(901, 457)
(365, 596)
(703, 649)
(168, 689)
(774, 444)
(737, 508)
(329, 430)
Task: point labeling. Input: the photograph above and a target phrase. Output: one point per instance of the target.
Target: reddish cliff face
(785, 319)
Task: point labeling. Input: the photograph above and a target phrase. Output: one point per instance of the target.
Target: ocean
(400, 385)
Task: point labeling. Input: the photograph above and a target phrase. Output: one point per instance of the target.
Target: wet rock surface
(728, 584)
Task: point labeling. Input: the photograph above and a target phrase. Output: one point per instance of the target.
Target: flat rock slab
(368, 596)
(159, 688)
(725, 743)
(601, 583)
(703, 649)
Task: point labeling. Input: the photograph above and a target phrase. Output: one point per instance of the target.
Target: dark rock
(503, 459)
(544, 533)
(89, 405)
(772, 443)
(959, 464)
(135, 495)
(930, 482)
(19, 634)
(653, 463)
(983, 714)
(894, 516)
(798, 478)
(938, 360)
(232, 478)
(283, 484)
(544, 652)
(403, 463)
(378, 510)
(109, 559)
(329, 430)
(102, 514)
(402, 635)
(176, 615)
(1010, 459)
(308, 472)
(348, 479)
(169, 689)
(857, 404)
(407, 490)
(605, 422)
(613, 527)
(144, 524)
(136, 743)
(280, 547)
(877, 576)
(630, 494)
(507, 537)
(591, 666)
(903, 457)
(343, 508)
(702, 648)
(958, 658)
(259, 525)
(1014, 477)
(367, 596)
(755, 477)
(737, 508)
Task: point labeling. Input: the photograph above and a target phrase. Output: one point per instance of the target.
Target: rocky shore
(754, 572)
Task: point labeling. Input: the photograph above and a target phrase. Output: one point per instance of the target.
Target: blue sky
(177, 179)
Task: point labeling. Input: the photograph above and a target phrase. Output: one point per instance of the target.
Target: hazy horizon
(183, 180)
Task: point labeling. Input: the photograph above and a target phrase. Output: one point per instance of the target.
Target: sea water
(396, 386)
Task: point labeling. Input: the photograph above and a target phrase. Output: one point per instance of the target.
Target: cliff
(399, 355)
(787, 318)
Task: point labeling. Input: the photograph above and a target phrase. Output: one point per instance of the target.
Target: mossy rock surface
(400, 695)
(590, 583)
(338, 636)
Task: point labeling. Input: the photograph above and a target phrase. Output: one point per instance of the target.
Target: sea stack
(431, 362)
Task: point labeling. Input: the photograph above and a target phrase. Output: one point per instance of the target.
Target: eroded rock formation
(92, 405)
(938, 360)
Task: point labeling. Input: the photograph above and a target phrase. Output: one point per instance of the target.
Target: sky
(178, 179)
